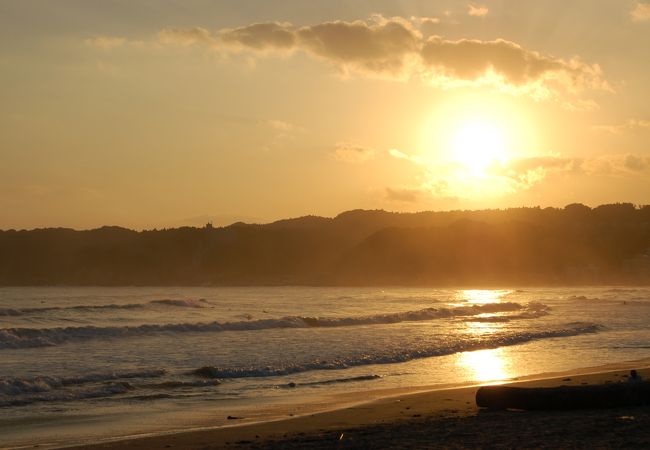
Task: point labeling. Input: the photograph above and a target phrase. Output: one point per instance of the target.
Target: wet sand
(442, 418)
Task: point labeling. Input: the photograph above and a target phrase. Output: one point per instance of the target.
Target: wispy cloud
(281, 133)
(186, 36)
(580, 105)
(427, 191)
(351, 153)
(424, 20)
(281, 126)
(630, 125)
(404, 195)
(640, 12)
(395, 153)
(105, 42)
(477, 10)
(447, 180)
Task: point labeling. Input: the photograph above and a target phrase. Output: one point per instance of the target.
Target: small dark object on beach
(634, 377)
(234, 418)
(291, 384)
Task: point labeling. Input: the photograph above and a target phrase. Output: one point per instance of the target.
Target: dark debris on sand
(583, 429)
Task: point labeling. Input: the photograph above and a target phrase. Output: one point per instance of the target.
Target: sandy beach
(440, 418)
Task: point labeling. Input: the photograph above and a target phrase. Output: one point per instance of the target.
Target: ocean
(81, 364)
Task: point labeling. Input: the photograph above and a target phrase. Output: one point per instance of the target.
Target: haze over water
(183, 357)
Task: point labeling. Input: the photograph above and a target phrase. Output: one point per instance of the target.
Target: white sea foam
(403, 355)
(43, 337)
(333, 381)
(18, 386)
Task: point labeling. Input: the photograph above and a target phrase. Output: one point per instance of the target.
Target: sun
(470, 144)
(477, 144)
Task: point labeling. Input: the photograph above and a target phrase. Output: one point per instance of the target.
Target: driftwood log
(564, 397)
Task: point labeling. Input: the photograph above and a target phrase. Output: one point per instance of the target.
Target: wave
(334, 381)
(176, 384)
(45, 337)
(507, 318)
(25, 391)
(503, 340)
(67, 395)
(187, 303)
(18, 386)
(625, 290)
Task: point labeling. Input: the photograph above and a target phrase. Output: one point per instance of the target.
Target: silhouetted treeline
(609, 244)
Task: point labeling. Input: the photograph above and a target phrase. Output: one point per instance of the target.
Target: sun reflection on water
(482, 296)
(489, 364)
(485, 365)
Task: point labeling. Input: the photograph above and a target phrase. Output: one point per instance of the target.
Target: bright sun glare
(477, 144)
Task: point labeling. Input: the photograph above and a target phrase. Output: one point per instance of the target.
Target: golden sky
(165, 113)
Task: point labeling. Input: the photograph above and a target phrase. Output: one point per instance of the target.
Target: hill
(609, 244)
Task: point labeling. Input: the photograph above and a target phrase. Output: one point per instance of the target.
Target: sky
(152, 114)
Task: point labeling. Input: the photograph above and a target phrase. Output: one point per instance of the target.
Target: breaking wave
(17, 386)
(25, 391)
(334, 381)
(44, 337)
(153, 384)
(572, 329)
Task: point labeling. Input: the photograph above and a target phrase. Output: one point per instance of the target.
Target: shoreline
(392, 408)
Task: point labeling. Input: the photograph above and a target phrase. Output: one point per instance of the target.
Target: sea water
(83, 364)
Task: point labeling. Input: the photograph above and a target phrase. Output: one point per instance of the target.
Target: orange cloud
(630, 125)
(185, 36)
(395, 48)
(351, 153)
(641, 12)
(477, 10)
(105, 42)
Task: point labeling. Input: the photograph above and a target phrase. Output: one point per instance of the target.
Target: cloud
(523, 173)
(580, 105)
(405, 195)
(615, 165)
(186, 36)
(635, 163)
(281, 133)
(105, 42)
(506, 62)
(641, 12)
(281, 126)
(477, 10)
(396, 48)
(630, 125)
(395, 153)
(433, 189)
(261, 36)
(425, 20)
(526, 172)
(354, 154)
(448, 180)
